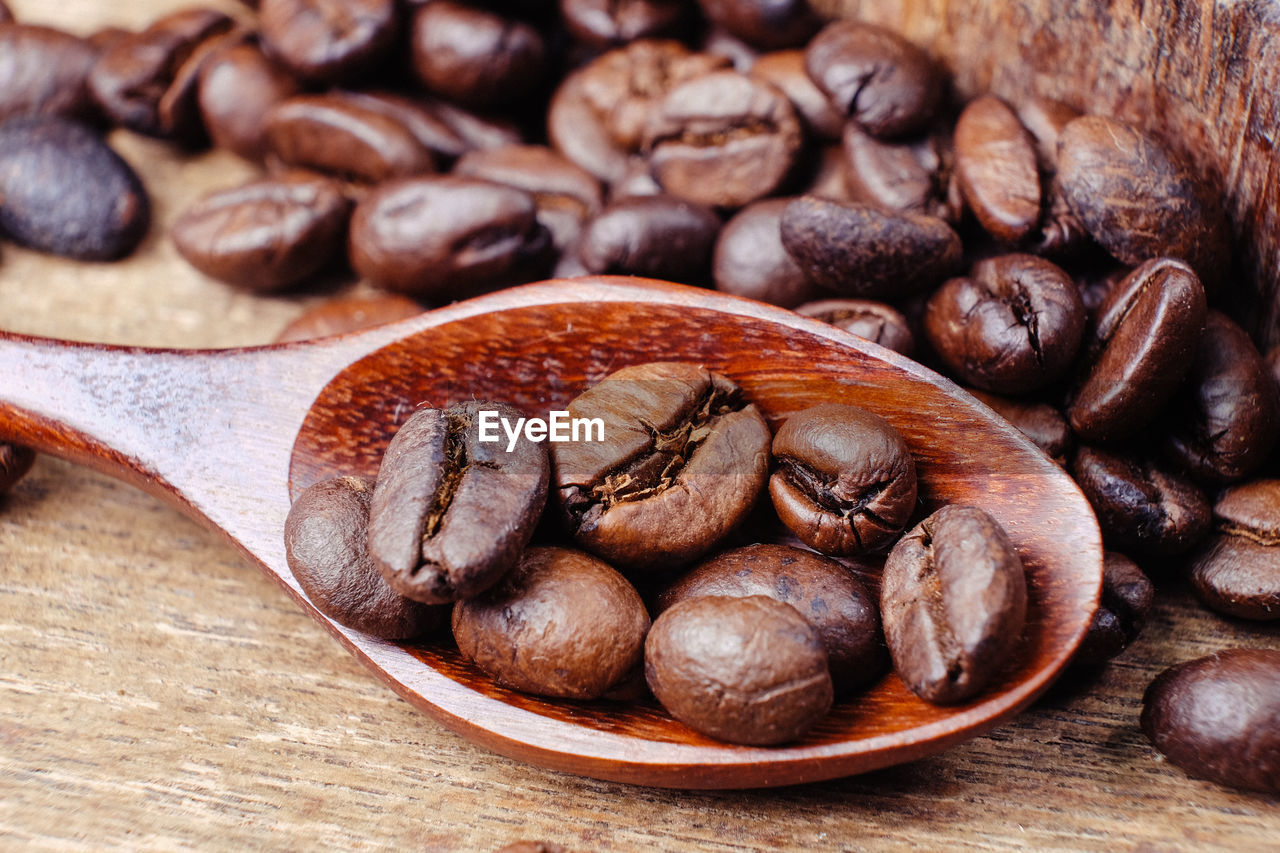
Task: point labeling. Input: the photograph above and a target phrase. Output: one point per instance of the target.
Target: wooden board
(156, 691)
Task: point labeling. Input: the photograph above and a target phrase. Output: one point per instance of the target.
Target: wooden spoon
(230, 435)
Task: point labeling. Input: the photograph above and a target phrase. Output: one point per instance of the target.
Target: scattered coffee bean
(1216, 717)
(902, 177)
(953, 602)
(785, 69)
(349, 314)
(859, 251)
(1126, 600)
(66, 192)
(657, 236)
(723, 139)
(749, 259)
(450, 513)
(1137, 351)
(238, 85)
(1040, 422)
(1142, 508)
(1138, 199)
(474, 57)
(744, 670)
(845, 481)
(610, 23)
(329, 42)
(1238, 570)
(15, 462)
(445, 238)
(997, 170)
(877, 322)
(1227, 413)
(327, 551)
(764, 24)
(821, 589)
(561, 623)
(44, 71)
(267, 234)
(1012, 326)
(683, 460)
(883, 82)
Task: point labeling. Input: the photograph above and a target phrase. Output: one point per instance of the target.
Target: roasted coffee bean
(1061, 233)
(327, 551)
(683, 459)
(826, 593)
(64, 191)
(857, 250)
(1045, 119)
(877, 322)
(15, 462)
(475, 57)
(997, 170)
(1095, 285)
(1012, 326)
(1040, 422)
(765, 24)
(844, 480)
(1138, 349)
(750, 261)
(349, 314)
(1218, 717)
(1139, 200)
(785, 69)
(883, 82)
(45, 71)
(433, 124)
(1227, 414)
(146, 81)
(599, 113)
(953, 601)
(1142, 508)
(830, 176)
(723, 139)
(266, 234)
(566, 194)
(329, 42)
(721, 42)
(533, 847)
(609, 23)
(744, 670)
(344, 135)
(451, 513)
(903, 177)
(561, 623)
(658, 236)
(1238, 570)
(476, 132)
(1126, 600)
(446, 238)
(1273, 365)
(238, 85)
(104, 38)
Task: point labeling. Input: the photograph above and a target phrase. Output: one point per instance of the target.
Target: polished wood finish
(213, 431)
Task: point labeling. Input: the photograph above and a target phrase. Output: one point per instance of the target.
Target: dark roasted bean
(764, 24)
(1238, 570)
(610, 23)
(750, 261)
(45, 71)
(329, 41)
(997, 169)
(238, 85)
(1126, 600)
(475, 57)
(785, 69)
(903, 177)
(659, 236)
(1040, 422)
(877, 322)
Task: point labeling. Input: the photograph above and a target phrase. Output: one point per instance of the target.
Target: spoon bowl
(231, 436)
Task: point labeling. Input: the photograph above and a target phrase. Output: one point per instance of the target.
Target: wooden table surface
(157, 691)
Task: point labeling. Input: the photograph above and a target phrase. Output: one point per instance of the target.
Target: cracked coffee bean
(875, 321)
(723, 139)
(1141, 507)
(45, 72)
(66, 192)
(683, 461)
(474, 57)
(750, 261)
(744, 670)
(328, 42)
(327, 551)
(1126, 600)
(953, 601)
(1238, 570)
(1139, 200)
(845, 481)
(997, 169)
(857, 250)
(1137, 350)
(450, 513)
(902, 177)
(785, 69)
(1012, 326)
(1227, 413)
(764, 24)
(825, 593)
(238, 85)
(446, 238)
(658, 236)
(267, 234)
(561, 624)
(883, 82)
(610, 23)
(1218, 717)
(1040, 422)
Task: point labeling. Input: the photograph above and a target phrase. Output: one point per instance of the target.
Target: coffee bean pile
(750, 645)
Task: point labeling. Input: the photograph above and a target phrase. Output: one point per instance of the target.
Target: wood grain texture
(159, 692)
